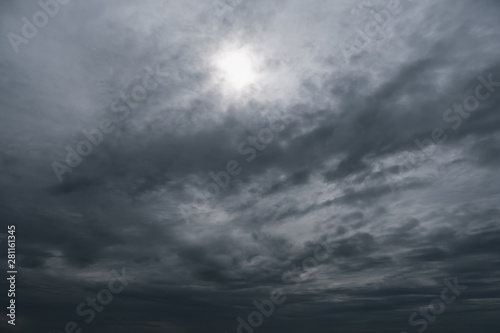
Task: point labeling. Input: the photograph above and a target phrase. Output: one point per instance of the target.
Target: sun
(236, 68)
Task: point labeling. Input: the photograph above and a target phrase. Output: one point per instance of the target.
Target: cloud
(340, 168)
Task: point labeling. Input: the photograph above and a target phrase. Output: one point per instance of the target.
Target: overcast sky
(240, 140)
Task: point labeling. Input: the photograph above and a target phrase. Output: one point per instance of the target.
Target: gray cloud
(340, 167)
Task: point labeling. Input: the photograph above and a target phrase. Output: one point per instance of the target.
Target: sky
(251, 166)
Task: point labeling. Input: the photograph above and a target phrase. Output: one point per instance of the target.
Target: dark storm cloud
(340, 169)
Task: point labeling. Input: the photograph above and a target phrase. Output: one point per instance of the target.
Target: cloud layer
(333, 143)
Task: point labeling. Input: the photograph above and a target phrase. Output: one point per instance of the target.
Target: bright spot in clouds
(237, 68)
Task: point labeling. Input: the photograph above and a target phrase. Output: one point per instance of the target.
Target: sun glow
(237, 68)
